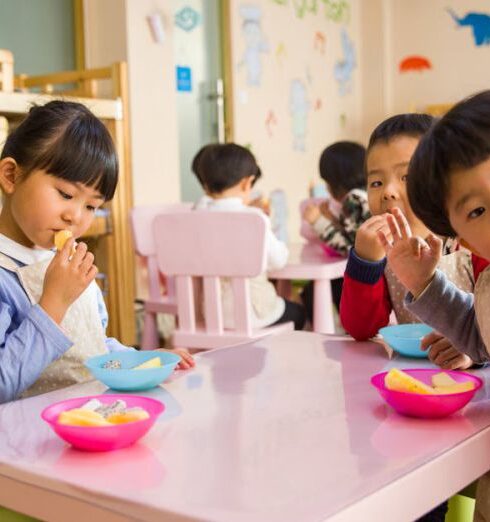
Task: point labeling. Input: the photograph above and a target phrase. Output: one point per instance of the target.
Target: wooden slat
(102, 73)
(21, 102)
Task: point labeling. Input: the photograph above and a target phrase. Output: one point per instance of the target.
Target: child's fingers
(375, 221)
(402, 223)
(438, 348)
(87, 262)
(394, 229)
(386, 244)
(80, 252)
(383, 227)
(435, 244)
(453, 363)
(430, 339)
(443, 356)
(67, 249)
(92, 273)
(186, 357)
(417, 244)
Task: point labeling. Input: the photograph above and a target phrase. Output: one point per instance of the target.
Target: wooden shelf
(109, 236)
(20, 103)
(100, 226)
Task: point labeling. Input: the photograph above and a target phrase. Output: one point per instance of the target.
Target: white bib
(82, 324)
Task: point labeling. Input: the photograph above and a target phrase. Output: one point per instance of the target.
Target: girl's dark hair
(342, 167)
(413, 125)
(221, 166)
(459, 140)
(67, 141)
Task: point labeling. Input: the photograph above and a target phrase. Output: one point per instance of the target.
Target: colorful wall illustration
(298, 108)
(343, 68)
(438, 51)
(479, 24)
(295, 87)
(255, 43)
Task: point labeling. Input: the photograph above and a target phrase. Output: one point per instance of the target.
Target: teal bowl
(126, 379)
(405, 338)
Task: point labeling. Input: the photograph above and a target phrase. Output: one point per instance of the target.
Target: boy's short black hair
(221, 166)
(67, 141)
(411, 124)
(342, 167)
(460, 139)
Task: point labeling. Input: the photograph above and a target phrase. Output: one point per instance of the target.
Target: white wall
(289, 54)
(118, 30)
(383, 31)
(459, 67)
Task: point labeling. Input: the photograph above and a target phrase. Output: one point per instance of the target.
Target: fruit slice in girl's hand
(398, 380)
(61, 237)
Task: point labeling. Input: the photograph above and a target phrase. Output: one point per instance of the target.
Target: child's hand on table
(443, 353)
(412, 259)
(187, 361)
(368, 245)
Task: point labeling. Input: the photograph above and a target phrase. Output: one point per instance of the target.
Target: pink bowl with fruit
(427, 406)
(103, 438)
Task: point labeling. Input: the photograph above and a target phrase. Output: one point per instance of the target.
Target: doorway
(199, 81)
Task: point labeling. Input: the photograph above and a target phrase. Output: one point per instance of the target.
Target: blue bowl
(126, 379)
(405, 338)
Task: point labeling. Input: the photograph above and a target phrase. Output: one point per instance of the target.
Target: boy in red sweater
(371, 290)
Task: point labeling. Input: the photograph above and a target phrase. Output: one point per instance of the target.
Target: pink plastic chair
(210, 245)
(141, 224)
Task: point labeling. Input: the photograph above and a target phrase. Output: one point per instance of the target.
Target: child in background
(227, 173)
(342, 169)
(56, 168)
(449, 190)
(371, 289)
(335, 222)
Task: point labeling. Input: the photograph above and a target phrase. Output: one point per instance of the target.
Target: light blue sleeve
(26, 348)
(112, 344)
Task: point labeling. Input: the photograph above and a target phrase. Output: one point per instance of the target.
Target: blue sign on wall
(184, 78)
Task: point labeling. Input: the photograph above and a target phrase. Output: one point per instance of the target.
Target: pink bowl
(427, 406)
(103, 438)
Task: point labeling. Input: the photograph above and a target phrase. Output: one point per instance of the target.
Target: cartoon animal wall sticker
(414, 63)
(479, 23)
(255, 43)
(344, 68)
(299, 107)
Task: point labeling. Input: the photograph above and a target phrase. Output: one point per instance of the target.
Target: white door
(198, 70)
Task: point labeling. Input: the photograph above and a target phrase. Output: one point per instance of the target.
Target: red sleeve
(364, 308)
(479, 264)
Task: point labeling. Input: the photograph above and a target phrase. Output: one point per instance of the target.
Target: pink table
(309, 261)
(285, 429)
